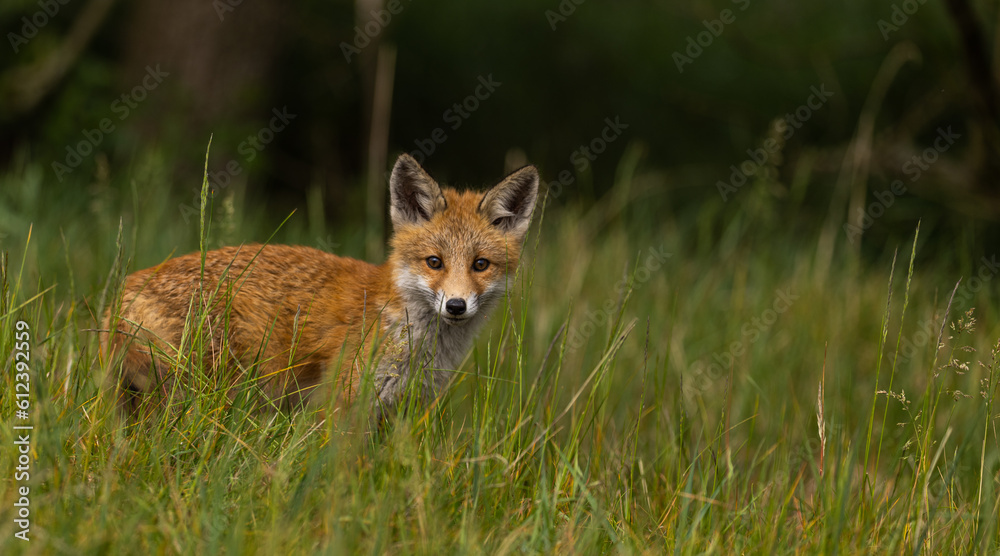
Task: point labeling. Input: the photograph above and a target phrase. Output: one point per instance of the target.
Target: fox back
(295, 323)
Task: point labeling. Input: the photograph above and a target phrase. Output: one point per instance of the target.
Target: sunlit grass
(652, 385)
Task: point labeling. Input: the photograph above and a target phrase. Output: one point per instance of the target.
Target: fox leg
(136, 374)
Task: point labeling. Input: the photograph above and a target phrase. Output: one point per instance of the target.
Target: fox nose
(455, 306)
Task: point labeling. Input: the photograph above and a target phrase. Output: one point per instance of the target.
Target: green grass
(556, 436)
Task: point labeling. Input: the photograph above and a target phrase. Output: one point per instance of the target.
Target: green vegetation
(723, 338)
(752, 386)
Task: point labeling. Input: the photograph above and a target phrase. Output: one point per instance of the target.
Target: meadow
(690, 378)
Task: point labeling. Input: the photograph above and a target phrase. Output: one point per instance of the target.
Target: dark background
(563, 68)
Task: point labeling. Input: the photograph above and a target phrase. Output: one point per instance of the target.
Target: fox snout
(455, 306)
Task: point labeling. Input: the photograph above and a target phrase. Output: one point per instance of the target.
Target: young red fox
(297, 315)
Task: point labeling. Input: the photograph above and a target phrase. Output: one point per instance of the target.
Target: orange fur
(297, 316)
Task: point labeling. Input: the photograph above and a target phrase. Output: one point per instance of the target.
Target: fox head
(452, 251)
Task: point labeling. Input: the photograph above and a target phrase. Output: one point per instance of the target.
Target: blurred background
(800, 113)
(731, 198)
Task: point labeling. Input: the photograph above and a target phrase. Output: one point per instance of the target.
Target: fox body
(298, 316)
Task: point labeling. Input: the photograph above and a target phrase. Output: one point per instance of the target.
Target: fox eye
(434, 262)
(480, 265)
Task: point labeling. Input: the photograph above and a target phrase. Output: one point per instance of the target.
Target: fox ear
(509, 204)
(414, 196)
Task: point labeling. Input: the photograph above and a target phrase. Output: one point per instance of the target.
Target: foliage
(608, 408)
